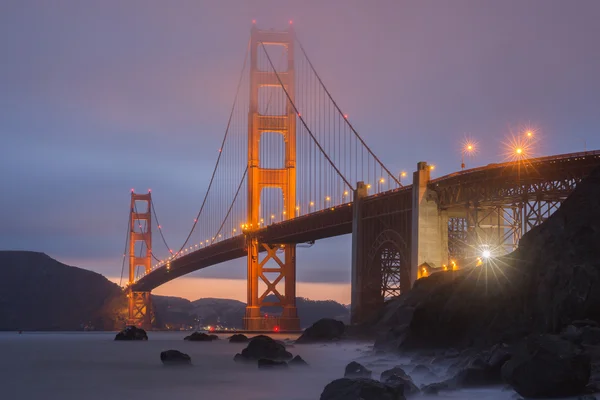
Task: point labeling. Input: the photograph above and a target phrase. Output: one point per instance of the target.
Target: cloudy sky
(97, 97)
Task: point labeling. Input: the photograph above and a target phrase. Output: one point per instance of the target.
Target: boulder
(356, 370)
(262, 346)
(359, 389)
(265, 363)
(200, 337)
(323, 330)
(175, 357)
(238, 338)
(132, 333)
(396, 377)
(298, 361)
(547, 366)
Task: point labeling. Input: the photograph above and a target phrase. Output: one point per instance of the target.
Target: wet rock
(360, 389)
(356, 370)
(132, 333)
(238, 338)
(265, 363)
(175, 357)
(264, 347)
(325, 329)
(547, 366)
(396, 377)
(200, 337)
(298, 361)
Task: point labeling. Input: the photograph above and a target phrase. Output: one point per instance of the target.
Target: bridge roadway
(494, 182)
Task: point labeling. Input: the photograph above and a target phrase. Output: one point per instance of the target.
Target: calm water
(90, 366)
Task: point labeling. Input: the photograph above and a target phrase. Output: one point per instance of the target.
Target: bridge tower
(140, 230)
(259, 177)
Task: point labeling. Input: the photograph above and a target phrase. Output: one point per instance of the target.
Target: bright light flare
(518, 148)
(486, 254)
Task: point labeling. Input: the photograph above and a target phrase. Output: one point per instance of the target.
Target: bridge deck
(453, 189)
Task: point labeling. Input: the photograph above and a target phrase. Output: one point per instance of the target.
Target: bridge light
(402, 174)
(368, 186)
(272, 216)
(312, 203)
(381, 180)
(345, 193)
(284, 213)
(346, 116)
(486, 254)
(297, 208)
(220, 235)
(529, 133)
(253, 21)
(432, 167)
(519, 150)
(327, 198)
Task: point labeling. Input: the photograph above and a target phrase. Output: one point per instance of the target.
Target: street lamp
(469, 148)
(402, 175)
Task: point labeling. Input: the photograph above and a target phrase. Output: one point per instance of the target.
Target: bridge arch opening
(389, 269)
(272, 209)
(272, 150)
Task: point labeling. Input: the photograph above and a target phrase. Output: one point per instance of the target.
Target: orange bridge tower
(271, 263)
(140, 237)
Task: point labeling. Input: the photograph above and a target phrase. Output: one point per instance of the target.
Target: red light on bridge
(291, 22)
(276, 329)
(132, 190)
(346, 116)
(253, 21)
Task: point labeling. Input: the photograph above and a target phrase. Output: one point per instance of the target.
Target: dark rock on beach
(325, 329)
(360, 389)
(238, 338)
(175, 357)
(132, 333)
(200, 337)
(262, 346)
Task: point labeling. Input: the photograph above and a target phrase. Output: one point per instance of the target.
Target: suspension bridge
(292, 169)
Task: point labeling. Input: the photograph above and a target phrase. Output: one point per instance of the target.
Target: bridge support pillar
(141, 313)
(429, 241)
(359, 280)
(140, 236)
(283, 269)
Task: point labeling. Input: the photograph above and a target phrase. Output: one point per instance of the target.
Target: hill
(40, 293)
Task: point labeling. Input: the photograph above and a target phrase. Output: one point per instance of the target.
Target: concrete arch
(388, 263)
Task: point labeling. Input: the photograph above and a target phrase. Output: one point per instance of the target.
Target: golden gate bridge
(292, 169)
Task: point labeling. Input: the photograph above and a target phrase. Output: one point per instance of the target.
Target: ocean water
(92, 366)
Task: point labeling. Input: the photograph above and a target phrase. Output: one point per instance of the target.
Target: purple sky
(97, 97)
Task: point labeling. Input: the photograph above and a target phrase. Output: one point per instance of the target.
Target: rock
(132, 333)
(265, 363)
(547, 366)
(175, 357)
(238, 338)
(298, 362)
(580, 323)
(356, 370)
(200, 337)
(262, 346)
(359, 389)
(241, 359)
(325, 329)
(499, 355)
(396, 377)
